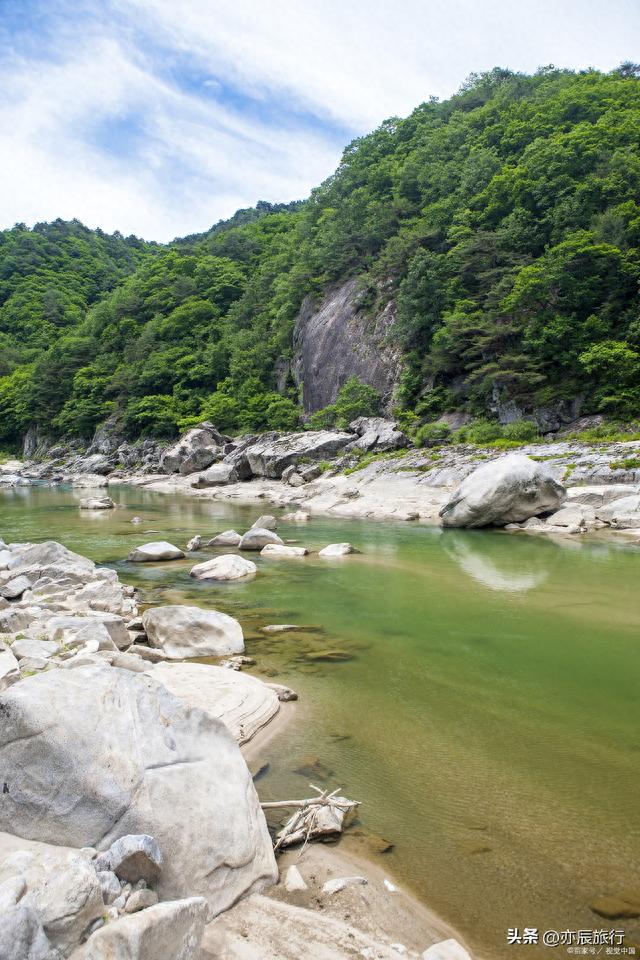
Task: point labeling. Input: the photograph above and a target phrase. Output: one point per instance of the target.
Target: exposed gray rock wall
(336, 339)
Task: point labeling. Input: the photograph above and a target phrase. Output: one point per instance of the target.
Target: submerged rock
(336, 550)
(508, 490)
(181, 631)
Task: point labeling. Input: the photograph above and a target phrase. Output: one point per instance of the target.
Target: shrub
(524, 431)
(355, 399)
(432, 434)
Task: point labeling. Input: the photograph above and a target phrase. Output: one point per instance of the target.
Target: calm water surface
(485, 710)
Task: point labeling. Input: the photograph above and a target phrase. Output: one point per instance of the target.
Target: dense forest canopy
(503, 222)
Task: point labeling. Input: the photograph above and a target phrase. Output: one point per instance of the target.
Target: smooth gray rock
(47, 554)
(622, 514)
(507, 490)
(167, 931)
(227, 567)
(256, 538)
(141, 900)
(132, 858)
(26, 647)
(181, 631)
(130, 757)
(194, 544)
(279, 551)
(155, 551)
(15, 588)
(228, 538)
(266, 522)
(219, 475)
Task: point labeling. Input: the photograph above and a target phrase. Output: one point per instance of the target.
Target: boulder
(507, 490)
(336, 550)
(219, 475)
(622, 514)
(140, 900)
(96, 503)
(73, 631)
(29, 647)
(62, 887)
(132, 858)
(155, 551)
(296, 516)
(281, 552)
(89, 480)
(227, 567)
(181, 631)
(228, 538)
(196, 450)
(574, 515)
(256, 538)
(194, 544)
(132, 758)
(376, 433)
(166, 931)
(46, 555)
(265, 522)
(270, 457)
(599, 495)
(242, 702)
(9, 669)
(15, 588)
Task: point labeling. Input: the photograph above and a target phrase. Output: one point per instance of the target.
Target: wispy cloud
(160, 116)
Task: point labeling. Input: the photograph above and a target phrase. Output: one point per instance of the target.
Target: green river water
(487, 715)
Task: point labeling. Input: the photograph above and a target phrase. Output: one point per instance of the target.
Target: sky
(161, 117)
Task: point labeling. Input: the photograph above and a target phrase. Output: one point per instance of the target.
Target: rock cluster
(129, 814)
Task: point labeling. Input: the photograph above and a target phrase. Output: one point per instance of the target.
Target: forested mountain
(503, 224)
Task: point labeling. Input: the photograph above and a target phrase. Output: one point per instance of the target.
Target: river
(482, 702)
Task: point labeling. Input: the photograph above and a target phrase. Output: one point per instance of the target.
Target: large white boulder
(181, 631)
(157, 550)
(73, 631)
(93, 754)
(243, 703)
(166, 931)
(257, 537)
(227, 567)
(508, 490)
(336, 550)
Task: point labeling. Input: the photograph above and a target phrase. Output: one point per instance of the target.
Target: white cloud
(183, 156)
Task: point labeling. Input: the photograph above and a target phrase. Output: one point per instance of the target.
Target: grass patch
(631, 463)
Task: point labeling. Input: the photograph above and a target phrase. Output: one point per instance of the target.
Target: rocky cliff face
(337, 339)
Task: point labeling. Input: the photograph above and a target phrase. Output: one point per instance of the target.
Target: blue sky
(159, 117)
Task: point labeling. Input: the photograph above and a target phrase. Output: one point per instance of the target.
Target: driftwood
(319, 818)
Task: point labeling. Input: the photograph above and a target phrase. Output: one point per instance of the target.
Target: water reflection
(483, 557)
